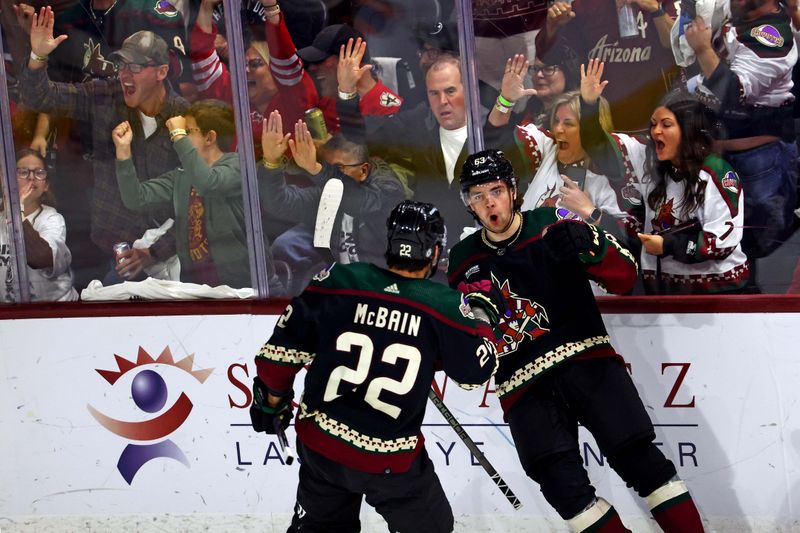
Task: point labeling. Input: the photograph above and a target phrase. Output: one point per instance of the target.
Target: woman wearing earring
(45, 232)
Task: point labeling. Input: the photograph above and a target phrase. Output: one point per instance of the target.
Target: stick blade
(329, 202)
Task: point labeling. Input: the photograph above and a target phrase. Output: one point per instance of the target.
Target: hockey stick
(283, 441)
(470, 444)
(329, 202)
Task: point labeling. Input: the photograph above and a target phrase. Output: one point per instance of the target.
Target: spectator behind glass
(753, 85)
(205, 193)
(640, 67)
(554, 162)
(693, 206)
(430, 140)
(322, 60)
(550, 81)
(96, 28)
(141, 97)
(276, 80)
(371, 190)
(45, 233)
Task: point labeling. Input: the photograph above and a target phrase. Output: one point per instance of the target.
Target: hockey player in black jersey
(372, 339)
(557, 368)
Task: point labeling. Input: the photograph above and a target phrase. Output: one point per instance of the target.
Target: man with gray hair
(429, 140)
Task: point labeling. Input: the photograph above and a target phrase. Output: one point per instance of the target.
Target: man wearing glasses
(141, 96)
(370, 191)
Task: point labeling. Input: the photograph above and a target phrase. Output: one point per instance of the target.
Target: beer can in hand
(315, 121)
(118, 249)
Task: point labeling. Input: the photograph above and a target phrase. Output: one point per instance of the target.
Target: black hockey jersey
(372, 341)
(553, 313)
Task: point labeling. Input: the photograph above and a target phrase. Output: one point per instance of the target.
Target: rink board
(722, 390)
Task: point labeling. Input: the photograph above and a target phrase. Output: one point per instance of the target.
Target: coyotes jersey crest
(528, 319)
(664, 219)
(94, 63)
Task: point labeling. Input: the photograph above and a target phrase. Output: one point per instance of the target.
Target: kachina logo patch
(149, 392)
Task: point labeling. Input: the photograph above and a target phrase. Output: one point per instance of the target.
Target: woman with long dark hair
(687, 199)
(45, 233)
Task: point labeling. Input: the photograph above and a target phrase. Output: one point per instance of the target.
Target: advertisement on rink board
(149, 415)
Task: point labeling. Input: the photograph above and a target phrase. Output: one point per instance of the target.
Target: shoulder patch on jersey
(164, 7)
(726, 181)
(731, 181)
(387, 99)
(768, 35)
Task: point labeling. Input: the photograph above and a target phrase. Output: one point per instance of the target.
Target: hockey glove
(262, 415)
(484, 296)
(569, 239)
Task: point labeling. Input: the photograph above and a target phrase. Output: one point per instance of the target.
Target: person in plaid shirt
(140, 96)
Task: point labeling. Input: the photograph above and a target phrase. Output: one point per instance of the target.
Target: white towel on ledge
(159, 289)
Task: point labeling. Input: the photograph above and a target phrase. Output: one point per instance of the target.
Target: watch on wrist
(594, 217)
(658, 12)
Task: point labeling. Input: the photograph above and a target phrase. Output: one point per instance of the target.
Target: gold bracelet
(274, 166)
(37, 57)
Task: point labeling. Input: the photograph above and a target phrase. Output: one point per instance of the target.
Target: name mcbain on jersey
(394, 320)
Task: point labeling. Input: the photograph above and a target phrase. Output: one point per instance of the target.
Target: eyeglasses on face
(343, 166)
(39, 174)
(252, 64)
(547, 70)
(481, 196)
(134, 68)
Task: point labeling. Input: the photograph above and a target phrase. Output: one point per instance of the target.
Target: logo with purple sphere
(150, 393)
(767, 35)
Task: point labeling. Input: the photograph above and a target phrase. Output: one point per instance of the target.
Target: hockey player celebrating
(372, 339)
(557, 366)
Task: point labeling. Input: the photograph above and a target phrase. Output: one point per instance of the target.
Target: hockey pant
(600, 395)
(329, 497)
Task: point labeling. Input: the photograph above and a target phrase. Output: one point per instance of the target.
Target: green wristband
(506, 102)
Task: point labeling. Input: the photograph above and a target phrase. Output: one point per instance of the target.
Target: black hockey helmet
(483, 167)
(414, 230)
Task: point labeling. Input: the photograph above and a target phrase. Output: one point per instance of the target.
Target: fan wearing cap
(322, 61)
(276, 80)
(140, 96)
(557, 365)
(358, 329)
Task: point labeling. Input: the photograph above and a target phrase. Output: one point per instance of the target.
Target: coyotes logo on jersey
(94, 64)
(664, 219)
(527, 319)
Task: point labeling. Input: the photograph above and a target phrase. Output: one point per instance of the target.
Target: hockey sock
(600, 517)
(673, 508)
